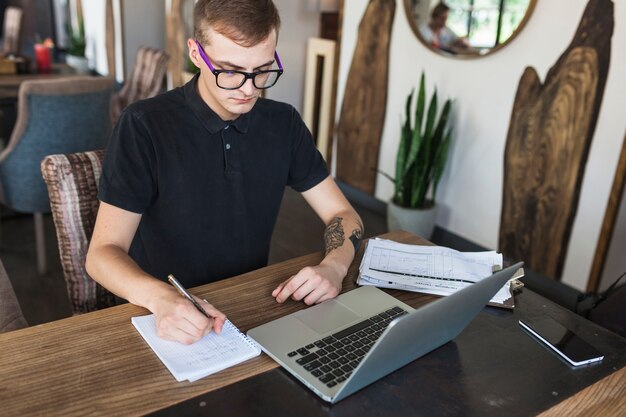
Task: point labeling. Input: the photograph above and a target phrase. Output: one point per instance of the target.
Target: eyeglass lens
(233, 80)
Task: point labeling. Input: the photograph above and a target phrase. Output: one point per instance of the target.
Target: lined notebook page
(210, 354)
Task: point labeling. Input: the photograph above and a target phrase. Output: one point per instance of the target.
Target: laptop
(342, 345)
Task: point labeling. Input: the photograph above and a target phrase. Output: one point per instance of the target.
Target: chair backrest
(12, 31)
(145, 81)
(72, 181)
(54, 116)
(11, 317)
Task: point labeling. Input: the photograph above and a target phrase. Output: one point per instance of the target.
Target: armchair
(145, 81)
(72, 181)
(54, 116)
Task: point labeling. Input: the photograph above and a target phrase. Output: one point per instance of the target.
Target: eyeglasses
(232, 80)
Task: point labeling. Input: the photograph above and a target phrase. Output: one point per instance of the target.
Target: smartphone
(562, 340)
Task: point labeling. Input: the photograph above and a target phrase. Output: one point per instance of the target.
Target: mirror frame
(416, 32)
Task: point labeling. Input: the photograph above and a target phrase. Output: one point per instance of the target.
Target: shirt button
(227, 126)
(228, 146)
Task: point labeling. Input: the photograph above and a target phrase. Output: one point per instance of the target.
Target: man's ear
(194, 55)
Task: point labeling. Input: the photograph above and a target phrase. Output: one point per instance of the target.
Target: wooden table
(98, 364)
(10, 83)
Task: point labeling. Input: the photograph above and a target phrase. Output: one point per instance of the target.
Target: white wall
(298, 24)
(470, 192)
(144, 25)
(95, 35)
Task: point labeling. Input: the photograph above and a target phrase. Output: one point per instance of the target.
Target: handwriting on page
(210, 354)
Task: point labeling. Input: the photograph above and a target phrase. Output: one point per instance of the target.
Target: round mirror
(467, 28)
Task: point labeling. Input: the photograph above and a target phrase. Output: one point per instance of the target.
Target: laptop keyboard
(333, 358)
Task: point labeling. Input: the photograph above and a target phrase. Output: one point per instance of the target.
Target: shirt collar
(211, 121)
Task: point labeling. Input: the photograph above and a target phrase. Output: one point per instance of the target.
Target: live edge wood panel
(552, 125)
(363, 109)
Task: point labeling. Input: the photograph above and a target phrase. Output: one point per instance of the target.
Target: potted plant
(421, 158)
(75, 54)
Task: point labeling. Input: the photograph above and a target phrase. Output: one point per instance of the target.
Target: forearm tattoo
(334, 235)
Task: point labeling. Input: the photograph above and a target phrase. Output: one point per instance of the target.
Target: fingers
(309, 285)
(279, 288)
(293, 287)
(218, 317)
(179, 320)
(181, 329)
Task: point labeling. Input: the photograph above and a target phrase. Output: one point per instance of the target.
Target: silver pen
(185, 294)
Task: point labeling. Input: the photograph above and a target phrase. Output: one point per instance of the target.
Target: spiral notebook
(207, 356)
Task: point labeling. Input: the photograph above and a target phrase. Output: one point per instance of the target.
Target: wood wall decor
(318, 92)
(175, 43)
(608, 224)
(110, 37)
(365, 99)
(552, 125)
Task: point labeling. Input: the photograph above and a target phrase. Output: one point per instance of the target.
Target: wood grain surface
(110, 38)
(365, 99)
(175, 43)
(97, 364)
(605, 398)
(548, 141)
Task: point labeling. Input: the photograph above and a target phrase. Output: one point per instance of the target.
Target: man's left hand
(313, 284)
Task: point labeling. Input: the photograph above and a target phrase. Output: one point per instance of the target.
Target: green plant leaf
(422, 151)
(416, 139)
(440, 161)
(403, 146)
(76, 39)
(435, 146)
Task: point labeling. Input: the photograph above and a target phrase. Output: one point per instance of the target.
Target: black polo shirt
(208, 190)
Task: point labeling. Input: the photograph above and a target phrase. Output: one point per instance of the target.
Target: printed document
(429, 269)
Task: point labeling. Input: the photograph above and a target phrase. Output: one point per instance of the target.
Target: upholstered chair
(145, 81)
(53, 116)
(11, 317)
(72, 181)
(12, 30)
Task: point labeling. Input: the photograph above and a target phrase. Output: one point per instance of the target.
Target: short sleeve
(128, 171)
(308, 167)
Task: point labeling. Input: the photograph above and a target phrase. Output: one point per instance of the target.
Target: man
(438, 35)
(193, 179)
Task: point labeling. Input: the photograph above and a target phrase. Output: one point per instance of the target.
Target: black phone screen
(562, 340)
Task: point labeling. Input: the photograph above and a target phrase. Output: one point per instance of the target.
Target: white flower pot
(79, 63)
(418, 221)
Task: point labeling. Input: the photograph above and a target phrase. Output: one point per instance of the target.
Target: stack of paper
(210, 354)
(428, 269)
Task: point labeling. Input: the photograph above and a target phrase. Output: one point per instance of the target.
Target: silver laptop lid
(424, 330)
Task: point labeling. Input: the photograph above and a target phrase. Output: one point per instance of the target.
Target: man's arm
(109, 264)
(343, 233)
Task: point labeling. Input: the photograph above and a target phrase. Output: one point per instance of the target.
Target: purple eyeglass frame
(247, 75)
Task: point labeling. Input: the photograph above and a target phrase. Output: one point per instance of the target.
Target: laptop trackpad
(326, 316)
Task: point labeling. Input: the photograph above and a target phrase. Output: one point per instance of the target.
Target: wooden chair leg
(40, 243)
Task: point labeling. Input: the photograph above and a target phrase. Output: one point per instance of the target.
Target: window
(486, 23)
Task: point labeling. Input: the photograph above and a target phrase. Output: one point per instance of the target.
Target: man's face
(439, 22)
(225, 54)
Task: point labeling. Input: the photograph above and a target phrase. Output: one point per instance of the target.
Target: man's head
(247, 22)
(234, 35)
(439, 16)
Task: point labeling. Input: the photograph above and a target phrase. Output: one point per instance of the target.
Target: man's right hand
(178, 319)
